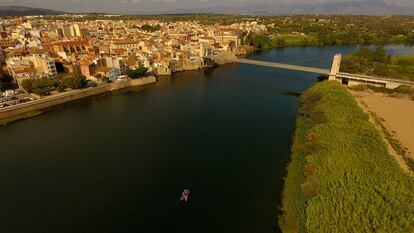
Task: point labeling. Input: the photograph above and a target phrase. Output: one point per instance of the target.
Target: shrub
(404, 89)
(43, 86)
(74, 82)
(359, 87)
(140, 72)
(262, 42)
(150, 28)
(41, 91)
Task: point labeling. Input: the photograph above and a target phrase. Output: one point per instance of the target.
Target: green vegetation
(344, 30)
(74, 82)
(379, 63)
(341, 177)
(140, 72)
(297, 40)
(313, 30)
(150, 28)
(403, 89)
(263, 42)
(43, 86)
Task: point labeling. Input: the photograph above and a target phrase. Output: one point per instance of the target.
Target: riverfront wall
(29, 109)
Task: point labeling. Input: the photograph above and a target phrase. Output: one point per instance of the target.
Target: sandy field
(398, 114)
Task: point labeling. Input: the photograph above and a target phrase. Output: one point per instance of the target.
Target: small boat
(185, 195)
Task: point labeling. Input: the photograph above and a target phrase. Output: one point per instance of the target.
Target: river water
(119, 163)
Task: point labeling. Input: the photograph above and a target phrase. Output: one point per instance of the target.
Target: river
(118, 163)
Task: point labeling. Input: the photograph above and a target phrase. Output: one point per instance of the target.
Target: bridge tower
(336, 64)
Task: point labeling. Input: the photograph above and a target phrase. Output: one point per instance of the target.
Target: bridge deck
(309, 70)
(274, 65)
(379, 79)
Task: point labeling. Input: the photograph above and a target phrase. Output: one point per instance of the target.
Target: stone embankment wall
(28, 109)
(244, 50)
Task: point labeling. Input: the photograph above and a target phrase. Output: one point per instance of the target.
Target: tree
(365, 54)
(261, 42)
(41, 91)
(43, 86)
(74, 82)
(249, 39)
(410, 38)
(382, 69)
(150, 28)
(140, 72)
(380, 55)
(279, 43)
(27, 85)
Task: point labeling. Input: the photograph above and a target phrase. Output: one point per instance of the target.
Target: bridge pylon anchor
(336, 64)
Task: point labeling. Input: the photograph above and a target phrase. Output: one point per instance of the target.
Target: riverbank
(33, 108)
(395, 117)
(36, 107)
(341, 177)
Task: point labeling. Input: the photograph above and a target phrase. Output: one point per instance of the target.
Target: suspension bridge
(333, 73)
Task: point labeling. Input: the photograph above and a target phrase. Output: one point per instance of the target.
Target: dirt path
(395, 118)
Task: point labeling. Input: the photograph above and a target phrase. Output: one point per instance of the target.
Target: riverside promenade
(35, 107)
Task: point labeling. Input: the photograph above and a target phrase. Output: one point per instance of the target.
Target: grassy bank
(341, 177)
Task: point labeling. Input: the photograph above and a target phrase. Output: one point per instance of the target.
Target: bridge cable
(303, 60)
(372, 73)
(364, 68)
(310, 59)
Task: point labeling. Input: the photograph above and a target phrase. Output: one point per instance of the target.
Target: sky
(157, 6)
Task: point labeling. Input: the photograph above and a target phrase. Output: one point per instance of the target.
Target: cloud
(157, 6)
(165, 1)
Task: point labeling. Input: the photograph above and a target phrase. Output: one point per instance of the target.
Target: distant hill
(348, 7)
(367, 7)
(25, 11)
